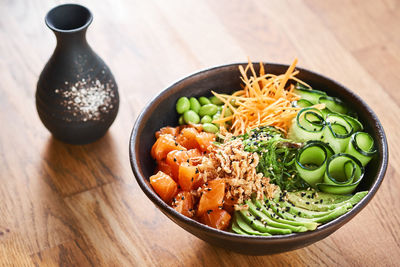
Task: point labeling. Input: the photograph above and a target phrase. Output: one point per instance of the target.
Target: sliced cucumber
(343, 174)
(362, 147)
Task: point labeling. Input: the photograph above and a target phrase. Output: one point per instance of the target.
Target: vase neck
(71, 40)
(69, 23)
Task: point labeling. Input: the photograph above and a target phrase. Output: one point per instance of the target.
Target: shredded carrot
(264, 100)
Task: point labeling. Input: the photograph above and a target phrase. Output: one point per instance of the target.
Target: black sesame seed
(187, 160)
(258, 218)
(183, 198)
(197, 170)
(209, 211)
(258, 209)
(308, 203)
(208, 189)
(299, 213)
(303, 194)
(174, 159)
(251, 222)
(287, 209)
(321, 201)
(176, 144)
(192, 179)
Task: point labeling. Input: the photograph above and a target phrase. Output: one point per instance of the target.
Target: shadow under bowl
(161, 112)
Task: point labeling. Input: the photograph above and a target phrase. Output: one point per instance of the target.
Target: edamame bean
(214, 100)
(181, 121)
(220, 108)
(206, 119)
(191, 117)
(216, 116)
(194, 104)
(227, 112)
(182, 105)
(204, 100)
(208, 109)
(210, 128)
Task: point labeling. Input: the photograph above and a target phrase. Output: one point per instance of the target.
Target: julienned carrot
(265, 100)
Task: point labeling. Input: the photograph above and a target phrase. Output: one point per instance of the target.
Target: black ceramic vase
(77, 96)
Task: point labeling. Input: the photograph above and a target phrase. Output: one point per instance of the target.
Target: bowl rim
(325, 228)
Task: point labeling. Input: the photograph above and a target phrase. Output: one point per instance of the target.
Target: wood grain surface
(65, 205)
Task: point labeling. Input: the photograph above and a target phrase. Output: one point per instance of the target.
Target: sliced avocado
(334, 214)
(323, 201)
(285, 217)
(300, 212)
(237, 229)
(243, 226)
(297, 214)
(256, 224)
(267, 220)
(316, 201)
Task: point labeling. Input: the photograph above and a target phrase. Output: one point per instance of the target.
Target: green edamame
(210, 128)
(206, 119)
(216, 116)
(214, 100)
(182, 105)
(204, 100)
(191, 117)
(220, 108)
(194, 104)
(227, 112)
(208, 109)
(181, 121)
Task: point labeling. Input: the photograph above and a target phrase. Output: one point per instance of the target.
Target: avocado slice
(296, 214)
(318, 201)
(243, 226)
(267, 220)
(237, 229)
(256, 224)
(282, 218)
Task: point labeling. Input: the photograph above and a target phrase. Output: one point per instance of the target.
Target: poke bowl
(161, 112)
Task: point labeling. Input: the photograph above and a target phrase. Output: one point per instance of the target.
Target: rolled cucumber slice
(302, 103)
(333, 104)
(357, 126)
(362, 147)
(311, 161)
(337, 132)
(308, 125)
(343, 173)
(309, 94)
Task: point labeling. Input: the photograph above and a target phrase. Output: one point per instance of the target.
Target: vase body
(77, 96)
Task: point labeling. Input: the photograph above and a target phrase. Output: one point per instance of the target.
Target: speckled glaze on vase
(77, 96)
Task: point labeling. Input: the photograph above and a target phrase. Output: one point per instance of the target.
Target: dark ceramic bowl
(161, 112)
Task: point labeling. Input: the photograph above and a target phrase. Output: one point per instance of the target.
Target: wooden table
(80, 205)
